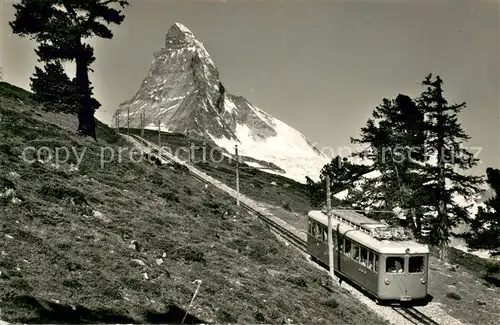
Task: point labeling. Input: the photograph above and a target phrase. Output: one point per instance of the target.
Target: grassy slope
(468, 293)
(254, 183)
(65, 255)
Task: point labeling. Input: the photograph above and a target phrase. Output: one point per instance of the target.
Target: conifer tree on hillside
(485, 227)
(445, 138)
(60, 28)
(342, 174)
(394, 138)
(52, 88)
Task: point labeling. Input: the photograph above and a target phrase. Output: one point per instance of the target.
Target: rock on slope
(183, 93)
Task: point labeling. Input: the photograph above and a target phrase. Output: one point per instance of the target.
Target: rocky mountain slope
(182, 93)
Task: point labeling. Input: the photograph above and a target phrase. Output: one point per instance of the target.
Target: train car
(382, 260)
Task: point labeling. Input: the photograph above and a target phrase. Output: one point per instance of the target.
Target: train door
(364, 268)
(337, 252)
(395, 279)
(373, 268)
(312, 239)
(417, 276)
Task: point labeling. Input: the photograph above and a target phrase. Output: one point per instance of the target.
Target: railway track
(285, 233)
(414, 316)
(411, 314)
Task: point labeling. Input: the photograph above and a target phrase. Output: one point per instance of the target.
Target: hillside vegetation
(467, 289)
(68, 253)
(257, 184)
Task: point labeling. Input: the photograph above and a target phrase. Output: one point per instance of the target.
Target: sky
(319, 66)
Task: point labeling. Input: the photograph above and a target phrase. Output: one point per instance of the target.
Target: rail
(414, 316)
(409, 313)
(285, 233)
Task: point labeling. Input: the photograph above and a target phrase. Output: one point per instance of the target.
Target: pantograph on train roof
(376, 229)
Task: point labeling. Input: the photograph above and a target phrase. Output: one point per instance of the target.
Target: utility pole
(159, 137)
(142, 123)
(189, 153)
(128, 120)
(118, 121)
(237, 176)
(141, 115)
(330, 233)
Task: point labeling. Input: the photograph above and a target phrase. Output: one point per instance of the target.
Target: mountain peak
(183, 94)
(179, 36)
(183, 28)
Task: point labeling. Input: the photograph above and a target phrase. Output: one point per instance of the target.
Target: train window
(394, 264)
(325, 235)
(310, 227)
(347, 247)
(316, 231)
(416, 264)
(363, 256)
(369, 260)
(355, 252)
(375, 262)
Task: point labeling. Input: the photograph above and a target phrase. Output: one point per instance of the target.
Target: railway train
(383, 261)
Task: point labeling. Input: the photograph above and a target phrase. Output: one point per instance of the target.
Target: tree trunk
(443, 251)
(418, 223)
(442, 213)
(86, 122)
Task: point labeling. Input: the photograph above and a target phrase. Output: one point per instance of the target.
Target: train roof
(350, 225)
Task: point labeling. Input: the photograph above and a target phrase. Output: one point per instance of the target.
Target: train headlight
(423, 281)
(387, 281)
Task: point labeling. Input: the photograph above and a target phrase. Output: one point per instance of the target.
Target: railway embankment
(123, 242)
(126, 241)
(430, 314)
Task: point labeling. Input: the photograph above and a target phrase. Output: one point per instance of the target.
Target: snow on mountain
(182, 93)
(342, 195)
(288, 149)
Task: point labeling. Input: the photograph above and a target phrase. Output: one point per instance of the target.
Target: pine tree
(394, 138)
(342, 174)
(316, 192)
(445, 137)
(485, 227)
(53, 88)
(60, 27)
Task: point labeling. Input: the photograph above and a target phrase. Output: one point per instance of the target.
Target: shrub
(453, 295)
(298, 281)
(170, 196)
(60, 191)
